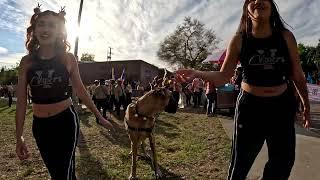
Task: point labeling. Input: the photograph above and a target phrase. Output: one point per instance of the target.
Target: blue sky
(134, 28)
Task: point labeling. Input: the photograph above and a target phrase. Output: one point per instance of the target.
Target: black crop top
(48, 80)
(265, 61)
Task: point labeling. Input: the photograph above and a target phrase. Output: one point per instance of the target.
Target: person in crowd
(196, 92)
(128, 92)
(10, 94)
(266, 106)
(201, 96)
(29, 95)
(108, 86)
(1, 91)
(47, 69)
(120, 96)
(317, 77)
(176, 89)
(140, 88)
(187, 90)
(101, 94)
(5, 91)
(91, 91)
(112, 101)
(211, 98)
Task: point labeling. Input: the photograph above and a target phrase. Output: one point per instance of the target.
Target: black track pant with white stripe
(260, 119)
(56, 138)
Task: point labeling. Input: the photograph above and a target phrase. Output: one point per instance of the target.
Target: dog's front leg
(154, 157)
(134, 150)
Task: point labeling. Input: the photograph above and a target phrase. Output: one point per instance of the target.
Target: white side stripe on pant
(75, 141)
(235, 134)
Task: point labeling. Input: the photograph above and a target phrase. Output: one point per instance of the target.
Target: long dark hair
(32, 43)
(276, 21)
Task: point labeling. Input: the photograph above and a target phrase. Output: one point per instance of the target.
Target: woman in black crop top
(47, 70)
(265, 108)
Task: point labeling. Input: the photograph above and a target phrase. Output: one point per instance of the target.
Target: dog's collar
(149, 130)
(137, 114)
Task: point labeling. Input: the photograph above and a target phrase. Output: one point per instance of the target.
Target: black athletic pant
(176, 96)
(112, 102)
(259, 119)
(94, 99)
(119, 102)
(196, 99)
(188, 99)
(56, 138)
(10, 99)
(102, 104)
(128, 98)
(211, 103)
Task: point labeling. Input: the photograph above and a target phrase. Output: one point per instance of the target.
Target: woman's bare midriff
(48, 110)
(264, 91)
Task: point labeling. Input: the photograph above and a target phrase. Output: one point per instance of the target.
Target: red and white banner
(314, 92)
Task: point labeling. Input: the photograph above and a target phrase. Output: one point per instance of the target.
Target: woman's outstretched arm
(216, 77)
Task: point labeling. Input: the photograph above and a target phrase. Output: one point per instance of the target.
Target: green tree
(188, 45)
(8, 76)
(316, 57)
(87, 57)
(309, 57)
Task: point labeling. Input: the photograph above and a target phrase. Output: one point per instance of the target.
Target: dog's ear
(161, 92)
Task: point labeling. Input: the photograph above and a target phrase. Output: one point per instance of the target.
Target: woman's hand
(306, 118)
(105, 123)
(21, 149)
(185, 75)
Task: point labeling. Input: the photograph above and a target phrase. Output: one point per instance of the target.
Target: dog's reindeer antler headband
(62, 11)
(164, 78)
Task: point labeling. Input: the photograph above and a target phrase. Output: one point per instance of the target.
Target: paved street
(307, 152)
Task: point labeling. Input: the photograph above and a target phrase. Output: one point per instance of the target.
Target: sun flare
(86, 29)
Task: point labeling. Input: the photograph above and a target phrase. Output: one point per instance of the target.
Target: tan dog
(140, 121)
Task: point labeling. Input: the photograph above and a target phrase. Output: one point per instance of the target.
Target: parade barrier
(314, 92)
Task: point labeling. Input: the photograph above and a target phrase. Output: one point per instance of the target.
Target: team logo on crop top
(40, 79)
(266, 58)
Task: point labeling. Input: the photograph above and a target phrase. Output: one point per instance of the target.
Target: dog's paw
(132, 177)
(159, 174)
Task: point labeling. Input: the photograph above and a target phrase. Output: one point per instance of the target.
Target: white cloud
(10, 60)
(134, 29)
(3, 50)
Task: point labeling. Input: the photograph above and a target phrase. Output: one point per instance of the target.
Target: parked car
(226, 97)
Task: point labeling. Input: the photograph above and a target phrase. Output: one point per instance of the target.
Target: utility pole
(109, 55)
(77, 38)
(109, 62)
(74, 97)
